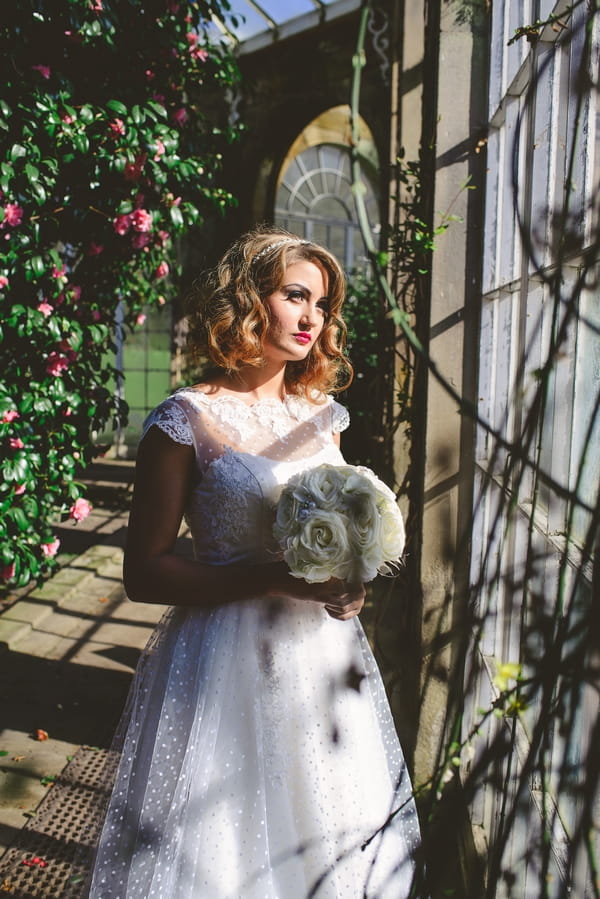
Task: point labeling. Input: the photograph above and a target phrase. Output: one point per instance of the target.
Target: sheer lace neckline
(274, 402)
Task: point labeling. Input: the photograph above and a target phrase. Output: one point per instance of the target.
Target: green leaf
(37, 266)
(17, 151)
(157, 108)
(81, 142)
(116, 106)
(176, 216)
(31, 507)
(86, 114)
(42, 404)
(39, 192)
(19, 518)
(26, 402)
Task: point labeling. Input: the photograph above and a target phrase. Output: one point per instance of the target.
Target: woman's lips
(303, 338)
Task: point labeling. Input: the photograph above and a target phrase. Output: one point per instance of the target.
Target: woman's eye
(295, 295)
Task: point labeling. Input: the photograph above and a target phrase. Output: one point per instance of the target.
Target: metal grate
(63, 832)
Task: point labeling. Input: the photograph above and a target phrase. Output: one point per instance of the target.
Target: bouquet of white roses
(339, 521)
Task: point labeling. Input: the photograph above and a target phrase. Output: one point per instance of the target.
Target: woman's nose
(308, 319)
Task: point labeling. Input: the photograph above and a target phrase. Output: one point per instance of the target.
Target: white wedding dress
(259, 757)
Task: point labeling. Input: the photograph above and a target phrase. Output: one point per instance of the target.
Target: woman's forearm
(174, 580)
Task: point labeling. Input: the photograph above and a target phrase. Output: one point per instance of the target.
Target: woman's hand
(344, 601)
(341, 600)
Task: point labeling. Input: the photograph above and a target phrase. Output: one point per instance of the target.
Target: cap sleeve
(340, 417)
(170, 416)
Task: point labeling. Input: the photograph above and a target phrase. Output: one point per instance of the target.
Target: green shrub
(111, 126)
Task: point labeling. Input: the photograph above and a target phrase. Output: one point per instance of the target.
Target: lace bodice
(244, 456)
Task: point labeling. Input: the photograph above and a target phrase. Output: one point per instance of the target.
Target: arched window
(314, 196)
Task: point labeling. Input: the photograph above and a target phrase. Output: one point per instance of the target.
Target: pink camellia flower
(16, 443)
(140, 241)
(162, 270)
(141, 220)
(45, 71)
(117, 127)
(45, 308)
(59, 273)
(68, 350)
(51, 548)
(8, 572)
(150, 76)
(3, 282)
(192, 38)
(67, 119)
(10, 415)
(180, 116)
(19, 490)
(96, 5)
(141, 318)
(56, 363)
(94, 249)
(200, 54)
(122, 224)
(13, 215)
(160, 150)
(164, 237)
(75, 291)
(133, 170)
(80, 509)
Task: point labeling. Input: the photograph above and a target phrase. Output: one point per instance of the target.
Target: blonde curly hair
(228, 319)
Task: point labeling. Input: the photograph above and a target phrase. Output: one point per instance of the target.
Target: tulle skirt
(259, 761)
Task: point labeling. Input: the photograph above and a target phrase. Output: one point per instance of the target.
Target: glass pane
(331, 208)
(284, 11)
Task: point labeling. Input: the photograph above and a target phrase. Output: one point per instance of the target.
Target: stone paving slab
(68, 650)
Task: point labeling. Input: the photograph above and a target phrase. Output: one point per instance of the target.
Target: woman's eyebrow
(301, 287)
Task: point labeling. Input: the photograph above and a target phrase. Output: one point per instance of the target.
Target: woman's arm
(154, 573)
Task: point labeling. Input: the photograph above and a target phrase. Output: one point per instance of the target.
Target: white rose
(393, 535)
(320, 549)
(287, 519)
(323, 485)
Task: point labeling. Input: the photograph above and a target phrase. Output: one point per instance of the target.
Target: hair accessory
(279, 243)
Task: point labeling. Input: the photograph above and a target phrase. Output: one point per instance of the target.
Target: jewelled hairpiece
(278, 243)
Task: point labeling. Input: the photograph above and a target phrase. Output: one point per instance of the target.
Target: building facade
(479, 158)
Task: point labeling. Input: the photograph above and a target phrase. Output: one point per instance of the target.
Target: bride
(259, 759)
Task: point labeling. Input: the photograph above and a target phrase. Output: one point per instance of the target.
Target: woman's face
(297, 311)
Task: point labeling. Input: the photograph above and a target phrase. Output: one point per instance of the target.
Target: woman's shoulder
(172, 417)
(323, 405)
(186, 411)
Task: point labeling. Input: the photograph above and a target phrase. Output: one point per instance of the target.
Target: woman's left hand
(346, 601)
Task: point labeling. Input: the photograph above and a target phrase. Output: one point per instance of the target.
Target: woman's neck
(256, 383)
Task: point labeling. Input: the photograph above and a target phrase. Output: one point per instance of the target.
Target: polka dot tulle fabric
(259, 757)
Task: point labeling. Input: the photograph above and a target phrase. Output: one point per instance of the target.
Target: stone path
(67, 654)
